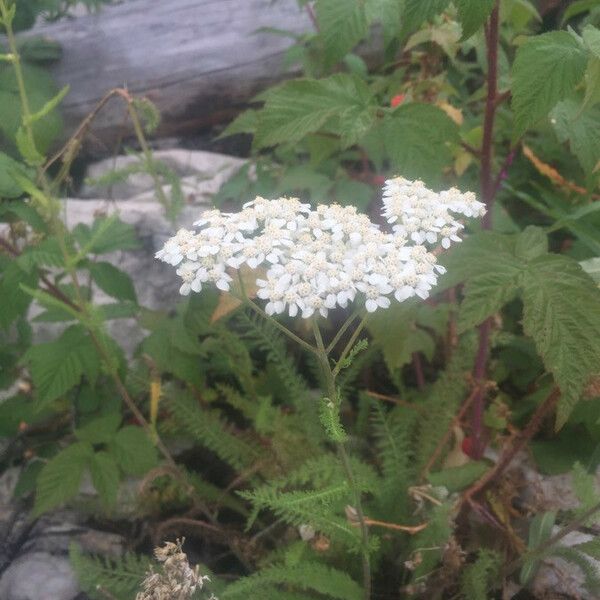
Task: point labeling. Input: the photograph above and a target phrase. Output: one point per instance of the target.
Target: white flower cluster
(315, 260)
(425, 216)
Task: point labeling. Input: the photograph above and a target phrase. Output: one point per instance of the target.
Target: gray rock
(39, 576)
(135, 202)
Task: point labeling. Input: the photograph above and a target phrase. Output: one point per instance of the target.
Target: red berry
(397, 100)
(468, 447)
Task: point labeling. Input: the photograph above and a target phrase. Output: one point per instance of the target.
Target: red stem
(418, 368)
(488, 193)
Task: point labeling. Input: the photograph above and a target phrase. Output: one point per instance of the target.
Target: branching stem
(330, 375)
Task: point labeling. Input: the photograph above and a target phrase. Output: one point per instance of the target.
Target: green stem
(349, 345)
(329, 376)
(340, 333)
(279, 326)
(150, 165)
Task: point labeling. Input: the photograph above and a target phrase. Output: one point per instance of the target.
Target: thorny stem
(488, 193)
(509, 453)
(332, 392)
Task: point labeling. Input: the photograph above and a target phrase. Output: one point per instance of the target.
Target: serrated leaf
(386, 12)
(22, 210)
(9, 186)
(297, 108)
(100, 430)
(531, 243)
(394, 331)
(580, 126)
(473, 14)
(40, 89)
(546, 70)
(342, 24)
(245, 122)
(60, 478)
(417, 11)
(592, 268)
(58, 366)
(112, 281)
(416, 138)
(107, 234)
(105, 477)
(47, 253)
(560, 314)
(486, 295)
(15, 301)
(591, 38)
(133, 450)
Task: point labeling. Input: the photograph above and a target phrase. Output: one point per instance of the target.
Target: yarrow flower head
(314, 260)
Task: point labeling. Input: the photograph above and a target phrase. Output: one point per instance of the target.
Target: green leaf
(578, 7)
(473, 14)
(58, 366)
(21, 210)
(105, 477)
(540, 529)
(27, 149)
(592, 268)
(416, 137)
(15, 301)
(312, 576)
(531, 243)
(107, 234)
(417, 11)
(47, 253)
(9, 187)
(546, 70)
(112, 281)
(342, 24)
(40, 89)
(561, 314)
(388, 13)
(591, 38)
(60, 478)
(302, 106)
(580, 126)
(486, 295)
(245, 122)
(48, 106)
(134, 451)
(100, 430)
(394, 331)
(455, 479)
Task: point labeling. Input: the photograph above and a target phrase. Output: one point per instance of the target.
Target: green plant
(299, 493)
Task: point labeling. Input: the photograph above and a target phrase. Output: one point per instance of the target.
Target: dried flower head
(317, 260)
(176, 580)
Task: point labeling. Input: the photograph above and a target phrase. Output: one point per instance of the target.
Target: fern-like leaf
(264, 336)
(208, 429)
(479, 578)
(99, 576)
(309, 576)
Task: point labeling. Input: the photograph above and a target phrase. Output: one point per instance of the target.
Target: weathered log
(197, 60)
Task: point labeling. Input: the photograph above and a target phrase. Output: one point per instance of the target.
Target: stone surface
(39, 576)
(156, 284)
